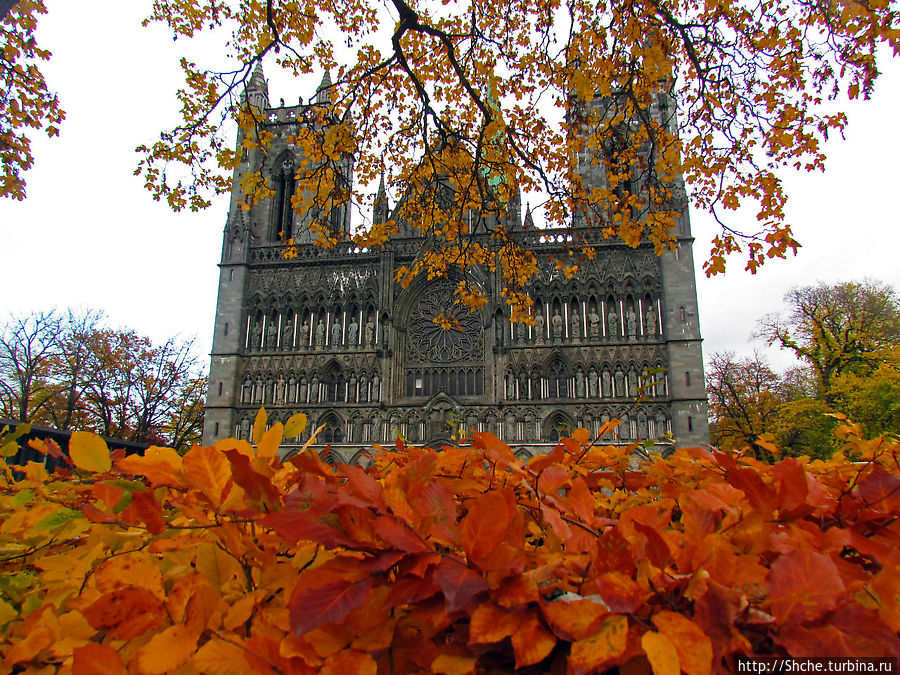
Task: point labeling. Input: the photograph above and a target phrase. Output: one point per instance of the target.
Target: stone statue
(272, 336)
(255, 337)
(351, 397)
(651, 322)
(314, 389)
(557, 322)
(576, 326)
(660, 424)
(353, 333)
(539, 328)
(607, 384)
(510, 386)
(592, 383)
(303, 338)
(287, 335)
(376, 387)
(246, 391)
(510, 427)
(279, 390)
(369, 333)
(498, 331)
(363, 389)
(523, 386)
(631, 323)
(612, 324)
(579, 383)
(320, 334)
(336, 332)
(594, 320)
(302, 397)
(632, 383)
(258, 391)
(385, 334)
(620, 382)
(521, 332)
(292, 390)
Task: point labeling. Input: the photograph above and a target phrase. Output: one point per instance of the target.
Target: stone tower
(330, 334)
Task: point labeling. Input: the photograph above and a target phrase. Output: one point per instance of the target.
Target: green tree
(837, 329)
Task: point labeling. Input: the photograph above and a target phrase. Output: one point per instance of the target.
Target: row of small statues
(315, 338)
(594, 329)
(592, 385)
(282, 391)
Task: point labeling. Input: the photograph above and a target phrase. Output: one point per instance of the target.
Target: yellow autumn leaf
(89, 452)
(271, 439)
(259, 425)
(167, 650)
(661, 653)
(295, 425)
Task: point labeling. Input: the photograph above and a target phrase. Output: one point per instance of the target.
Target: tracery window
(284, 184)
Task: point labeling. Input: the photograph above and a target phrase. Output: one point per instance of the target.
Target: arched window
(284, 185)
(335, 384)
(333, 431)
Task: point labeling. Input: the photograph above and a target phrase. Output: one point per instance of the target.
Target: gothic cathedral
(330, 334)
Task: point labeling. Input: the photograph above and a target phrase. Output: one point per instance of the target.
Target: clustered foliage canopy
(69, 371)
(229, 560)
(469, 102)
(26, 103)
(846, 337)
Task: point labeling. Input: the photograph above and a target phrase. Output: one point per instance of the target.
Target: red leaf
(459, 584)
(657, 549)
(552, 479)
(410, 590)
(802, 586)
(880, 490)
(364, 486)
(532, 642)
(147, 510)
(614, 553)
(399, 535)
(484, 526)
(312, 606)
(758, 493)
(257, 487)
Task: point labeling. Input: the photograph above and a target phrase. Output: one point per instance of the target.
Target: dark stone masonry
(330, 334)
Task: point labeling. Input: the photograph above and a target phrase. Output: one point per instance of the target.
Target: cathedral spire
(257, 89)
(323, 93)
(380, 211)
(529, 221)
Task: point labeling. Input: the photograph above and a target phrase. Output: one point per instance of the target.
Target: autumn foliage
(230, 560)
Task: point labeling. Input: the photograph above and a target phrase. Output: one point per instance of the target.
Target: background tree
(29, 347)
(71, 372)
(837, 329)
(476, 100)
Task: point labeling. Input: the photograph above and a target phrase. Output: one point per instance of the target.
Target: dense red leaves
(457, 561)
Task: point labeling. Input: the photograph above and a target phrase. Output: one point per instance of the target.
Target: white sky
(90, 235)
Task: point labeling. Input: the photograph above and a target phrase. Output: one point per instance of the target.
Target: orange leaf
(452, 664)
(349, 662)
(485, 525)
(459, 584)
(146, 509)
(692, 644)
(257, 486)
(661, 653)
(490, 623)
(590, 654)
(532, 642)
(218, 657)
(161, 466)
(125, 613)
(167, 650)
(209, 471)
(130, 569)
(802, 586)
(94, 659)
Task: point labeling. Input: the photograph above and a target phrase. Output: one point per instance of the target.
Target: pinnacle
(323, 93)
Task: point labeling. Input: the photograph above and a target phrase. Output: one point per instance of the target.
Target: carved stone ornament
(440, 331)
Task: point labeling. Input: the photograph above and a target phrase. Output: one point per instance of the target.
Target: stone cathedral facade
(329, 333)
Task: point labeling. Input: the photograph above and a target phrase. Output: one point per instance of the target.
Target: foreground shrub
(228, 560)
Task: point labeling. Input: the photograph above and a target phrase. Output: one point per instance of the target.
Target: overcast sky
(90, 235)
